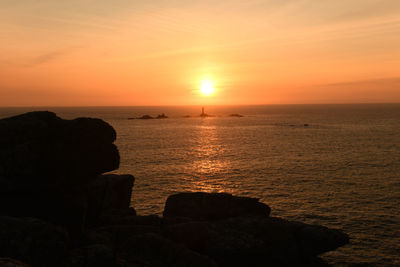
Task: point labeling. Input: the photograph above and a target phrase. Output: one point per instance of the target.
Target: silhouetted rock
(46, 164)
(161, 116)
(154, 250)
(236, 231)
(316, 239)
(7, 262)
(32, 241)
(90, 256)
(213, 206)
(65, 208)
(39, 149)
(109, 194)
(271, 240)
(145, 117)
(120, 230)
(257, 241)
(194, 235)
(130, 219)
(235, 115)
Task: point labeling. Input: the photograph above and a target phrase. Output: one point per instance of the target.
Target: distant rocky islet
(58, 208)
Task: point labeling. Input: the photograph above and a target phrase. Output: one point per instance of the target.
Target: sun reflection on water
(209, 166)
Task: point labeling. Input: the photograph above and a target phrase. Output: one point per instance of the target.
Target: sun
(207, 87)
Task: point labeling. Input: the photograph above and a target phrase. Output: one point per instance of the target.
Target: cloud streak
(51, 56)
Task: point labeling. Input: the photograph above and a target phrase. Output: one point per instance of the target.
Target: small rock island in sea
(148, 117)
(235, 115)
(58, 208)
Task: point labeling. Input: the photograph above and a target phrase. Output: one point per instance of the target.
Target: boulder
(90, 256)
(213, 206)
(32, 241)
(7, 262)
(47, 164)
(315, 239)
(253, 240)
(114, 233)
(65, 208)
(40, 150)
(151, 220)
(234, 242)
(194, 235)
(271, 240)
(110, 195)
(150, 249)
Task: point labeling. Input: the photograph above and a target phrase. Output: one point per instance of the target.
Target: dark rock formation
(7, 262)
(242, 239)
(109, 194)
(46, 164)
(145, 117)
(41, 150)
(162, 116)
(51, 169)
(148, 117)
(235, 115)
(213, 206)
(95, 255)
(32, 241)
(149, 249)
(270, 241)
(314, 239)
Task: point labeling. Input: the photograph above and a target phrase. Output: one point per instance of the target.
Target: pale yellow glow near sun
(207, 87)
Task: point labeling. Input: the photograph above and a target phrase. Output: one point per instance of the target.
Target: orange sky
(126, 52)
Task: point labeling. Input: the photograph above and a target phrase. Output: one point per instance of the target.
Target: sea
(332, 165)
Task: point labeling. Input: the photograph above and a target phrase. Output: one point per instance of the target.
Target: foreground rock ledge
(208, 223)
(213, 206)
(57, 208)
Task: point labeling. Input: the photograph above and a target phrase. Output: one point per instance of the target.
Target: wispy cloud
(50, 56)
(386, 82)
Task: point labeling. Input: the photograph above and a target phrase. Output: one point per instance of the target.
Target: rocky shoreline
(58, 208)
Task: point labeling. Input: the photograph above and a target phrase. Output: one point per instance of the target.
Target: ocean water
(334, 165)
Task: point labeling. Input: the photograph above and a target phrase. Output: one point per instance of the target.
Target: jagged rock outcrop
(213, 206)
(8, 262)
(41, 150)
(150, 249)
(47, 163)
(97, 255)
(32, 241)
(109, 195)
(242, 239)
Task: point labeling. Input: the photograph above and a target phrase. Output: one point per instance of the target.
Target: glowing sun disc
(207, 87)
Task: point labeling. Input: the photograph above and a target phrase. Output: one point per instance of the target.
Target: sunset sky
(153, 52)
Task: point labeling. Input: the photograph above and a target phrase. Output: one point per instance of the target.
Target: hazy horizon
(214, 105)
(199, 105)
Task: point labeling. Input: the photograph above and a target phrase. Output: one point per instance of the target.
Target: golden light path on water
(207, 150)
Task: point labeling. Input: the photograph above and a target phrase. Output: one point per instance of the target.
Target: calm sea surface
(341, 171)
